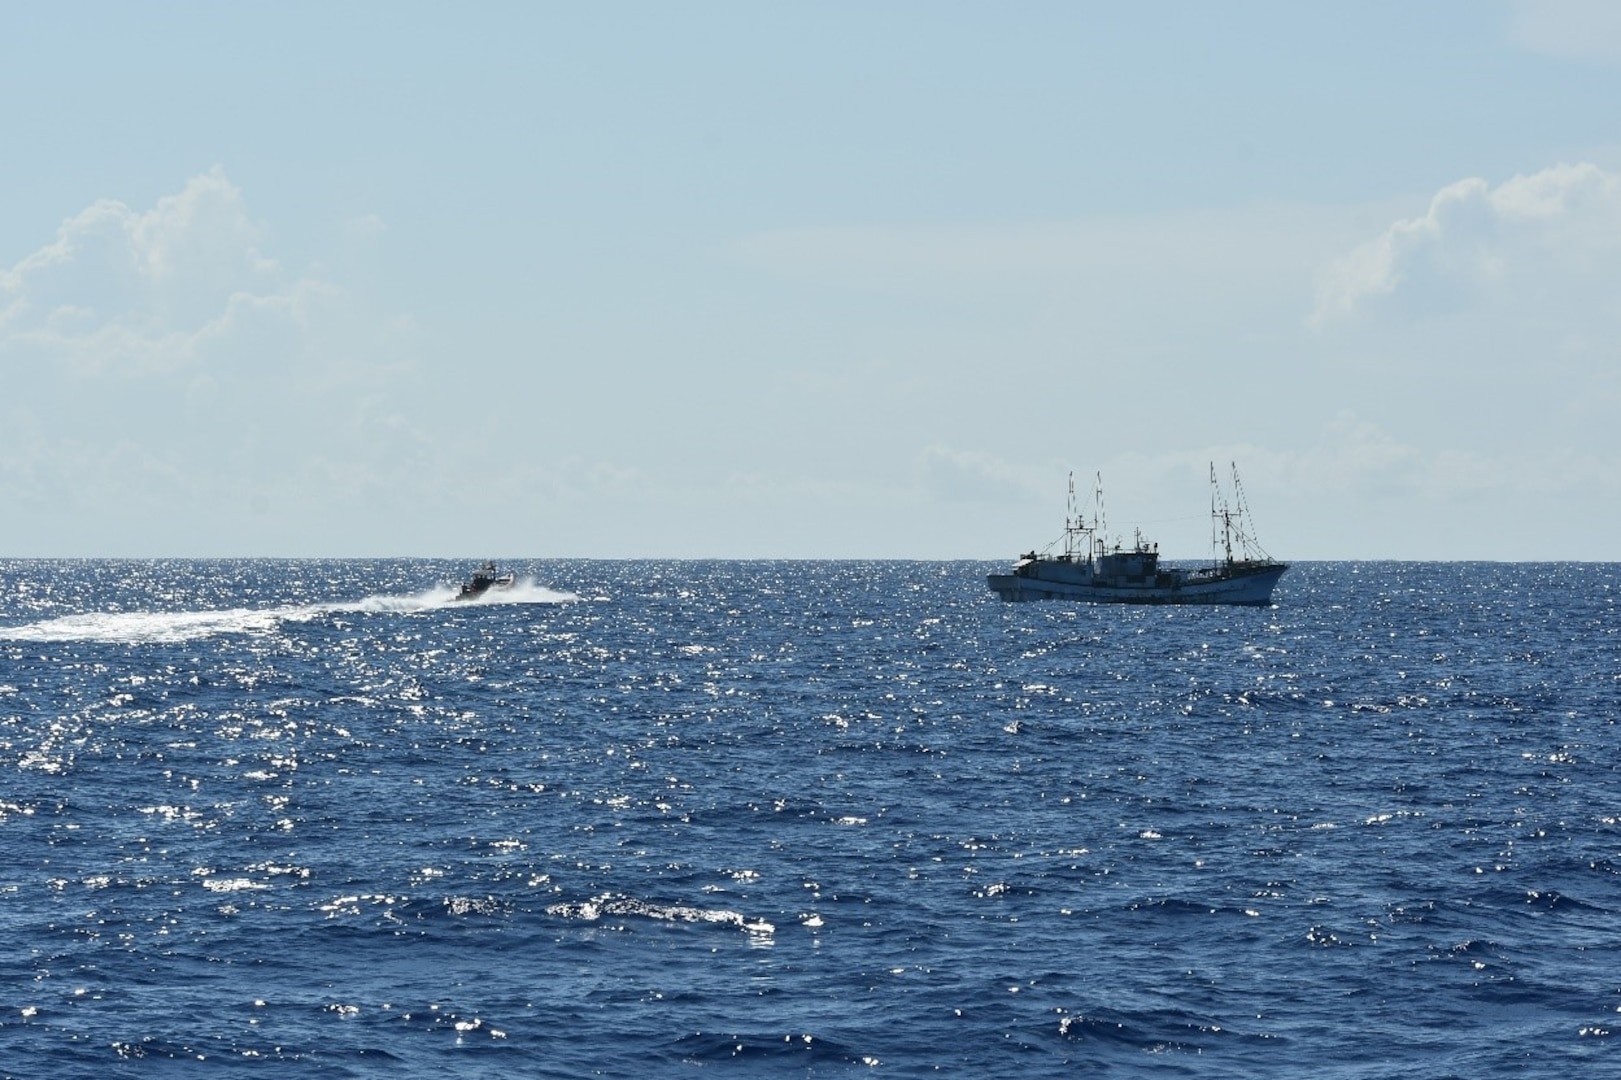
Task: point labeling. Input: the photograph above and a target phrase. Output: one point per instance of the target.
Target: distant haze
(808, 280)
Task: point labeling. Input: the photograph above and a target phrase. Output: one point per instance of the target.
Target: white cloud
(365, 227)
(1209, 246)
(126, 290)
(1352, 455)
(1477, 348)
(1533, 241)
(1577, 29)
(182, 290)
(967, 476)
(161, 368)
(1356, 460)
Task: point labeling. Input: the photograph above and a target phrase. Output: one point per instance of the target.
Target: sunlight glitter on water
(755, 795)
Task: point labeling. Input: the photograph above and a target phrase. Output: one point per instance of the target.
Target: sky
(808, 280)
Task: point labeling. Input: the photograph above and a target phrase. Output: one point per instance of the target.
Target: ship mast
(1075, 526)
(1100, 518)
(1072, 521)
(1232, 521)
(1219, 513)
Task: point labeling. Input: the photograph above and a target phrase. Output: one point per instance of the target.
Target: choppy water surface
(805, 819)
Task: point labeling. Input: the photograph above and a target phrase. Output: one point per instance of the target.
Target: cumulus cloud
(1578, 29)
(1355, 456)
(1532, 239)
(183, 293)
(365, 227)
(968, 476)
(160, 365)
(1211, 247)
(131, 291)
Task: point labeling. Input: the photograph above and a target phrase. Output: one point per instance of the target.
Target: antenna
(1100, 518)
(1072, 519)
(1215, 490)
(1221, 519)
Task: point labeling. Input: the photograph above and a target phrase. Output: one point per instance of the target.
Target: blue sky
(808, 280)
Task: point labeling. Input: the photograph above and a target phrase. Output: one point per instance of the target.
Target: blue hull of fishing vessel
(1248, 584)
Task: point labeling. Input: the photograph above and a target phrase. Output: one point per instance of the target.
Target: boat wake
(135, 627)
(168, 627)
(522, 591)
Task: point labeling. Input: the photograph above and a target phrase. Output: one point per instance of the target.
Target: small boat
(484, 579)
(1089, 570)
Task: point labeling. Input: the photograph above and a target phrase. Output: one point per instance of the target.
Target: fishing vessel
(484, 579)
(1090, 570)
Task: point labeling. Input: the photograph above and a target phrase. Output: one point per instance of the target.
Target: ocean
(805, 819)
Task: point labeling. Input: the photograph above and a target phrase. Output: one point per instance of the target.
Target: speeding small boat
(484, 579)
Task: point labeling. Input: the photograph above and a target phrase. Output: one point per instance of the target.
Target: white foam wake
(168, 627)
(522, 591)
(134, 627)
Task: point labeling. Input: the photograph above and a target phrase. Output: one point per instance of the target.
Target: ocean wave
(333, 828)
(611, 904)
(795, 1050)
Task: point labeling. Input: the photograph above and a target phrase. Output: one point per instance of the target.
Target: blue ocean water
(813, 819)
